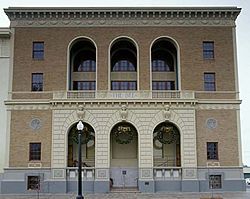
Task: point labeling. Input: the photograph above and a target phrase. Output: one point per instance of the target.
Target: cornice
(5, 32)
(121, 16)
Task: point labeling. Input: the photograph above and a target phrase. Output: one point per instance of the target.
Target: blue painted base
(190, 186)
(146, 186)
(167, 186)
(101, 186)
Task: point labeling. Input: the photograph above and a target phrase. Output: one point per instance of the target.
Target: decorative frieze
(164, 16)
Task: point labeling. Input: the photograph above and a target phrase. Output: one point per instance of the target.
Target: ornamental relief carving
(122, 21)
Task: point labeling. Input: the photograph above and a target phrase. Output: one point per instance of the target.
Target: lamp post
(80, 127)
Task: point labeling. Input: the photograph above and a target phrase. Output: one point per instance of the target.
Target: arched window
(123, 56)
(85, 62)
(164, 65)
(82, 65)
(123, 65)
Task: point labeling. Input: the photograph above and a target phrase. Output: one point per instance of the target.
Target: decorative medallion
(35, 124)
(211, 123)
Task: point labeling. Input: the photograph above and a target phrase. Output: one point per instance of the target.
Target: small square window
(38, 50)
(212, 150)
(37, 82)
(208, 50)
(33, 183)
(215, 182)
(35, 151)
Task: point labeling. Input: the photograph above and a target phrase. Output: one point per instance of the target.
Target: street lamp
(80, 127)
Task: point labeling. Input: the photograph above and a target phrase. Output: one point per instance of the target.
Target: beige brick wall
(21, 135)
(190, 39)
(225, 134)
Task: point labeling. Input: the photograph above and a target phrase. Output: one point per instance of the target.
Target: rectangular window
(37, 82)
(208, 50)
(163, 85)
(212, 151)
(123, 85)
(33, 183)
(38, 50)
(35, 151)
(84, 85)
(209, 82)
(215, 182)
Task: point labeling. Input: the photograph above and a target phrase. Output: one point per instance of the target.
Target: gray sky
(243, 39)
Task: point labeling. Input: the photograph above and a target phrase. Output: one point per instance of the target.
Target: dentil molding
(158, 16)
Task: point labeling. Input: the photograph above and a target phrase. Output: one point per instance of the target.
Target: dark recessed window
(161, 65)
(37, 82)
(215, 182)
(209, 82)
(208, 50)
(35, 151)
(84, 85)
(123, 85)
(33, 183)
(212, 151)
(38, 50)
(163, 85)
(124, 65)
(87, 66)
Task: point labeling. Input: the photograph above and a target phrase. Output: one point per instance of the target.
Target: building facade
(156, 89)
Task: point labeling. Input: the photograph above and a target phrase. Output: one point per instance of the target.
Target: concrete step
(124, 190)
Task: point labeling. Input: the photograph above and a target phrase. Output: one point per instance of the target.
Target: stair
(124, 190)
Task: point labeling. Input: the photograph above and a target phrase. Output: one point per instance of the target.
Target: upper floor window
(163, 85)
(208, 50)
(161, 65)
(37, 82)
(87, 66)
(123, 85)
(84, 85)
(38, 50)
(123, 56)
(124, 65)
(212, 151)
(209, 82)
(35, 151)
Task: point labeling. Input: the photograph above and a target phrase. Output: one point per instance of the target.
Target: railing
(167, 173)
(123, 95)
(88, 173)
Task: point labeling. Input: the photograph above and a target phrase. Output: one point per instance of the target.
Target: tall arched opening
(164, 65)
(124, 155)
(166, 145)
(88, 146)
(82, 65)
(123, 65)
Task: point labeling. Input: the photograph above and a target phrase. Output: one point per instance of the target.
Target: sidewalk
(227, 195)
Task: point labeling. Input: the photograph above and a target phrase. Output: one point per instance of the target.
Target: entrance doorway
(124, 155)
